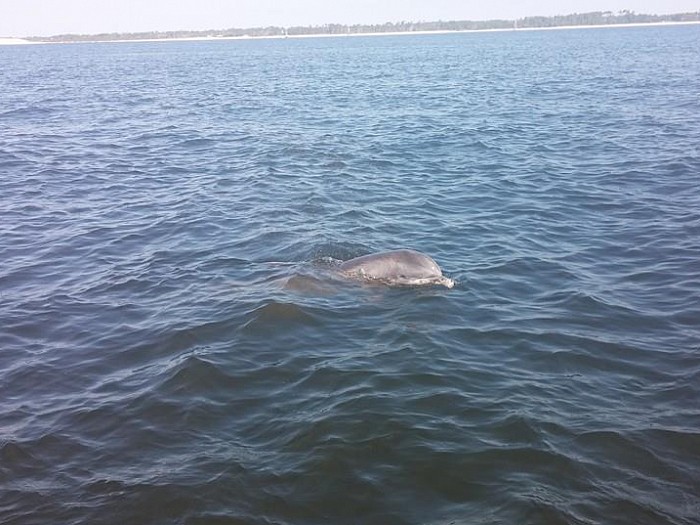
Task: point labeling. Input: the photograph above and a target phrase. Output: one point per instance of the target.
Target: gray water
(176, 348)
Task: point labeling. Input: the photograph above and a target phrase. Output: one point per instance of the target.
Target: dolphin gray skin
(397, 268)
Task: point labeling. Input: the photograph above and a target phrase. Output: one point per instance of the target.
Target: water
(176, 348)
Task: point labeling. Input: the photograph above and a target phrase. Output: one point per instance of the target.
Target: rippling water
(175, 346)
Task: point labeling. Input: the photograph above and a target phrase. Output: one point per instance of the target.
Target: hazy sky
(50, 17)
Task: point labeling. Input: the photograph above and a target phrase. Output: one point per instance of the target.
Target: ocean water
(176, 347)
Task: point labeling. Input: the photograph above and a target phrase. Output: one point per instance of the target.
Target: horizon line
(285, 28)
(196, 34)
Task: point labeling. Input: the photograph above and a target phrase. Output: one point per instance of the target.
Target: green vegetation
(576, 19)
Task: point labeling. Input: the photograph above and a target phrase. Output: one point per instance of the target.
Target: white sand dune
(13, 41)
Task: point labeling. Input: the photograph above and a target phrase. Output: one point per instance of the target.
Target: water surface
(175, 348)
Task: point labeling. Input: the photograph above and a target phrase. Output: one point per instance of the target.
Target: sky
(50, 17)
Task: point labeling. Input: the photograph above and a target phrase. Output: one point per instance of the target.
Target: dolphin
(396, 268)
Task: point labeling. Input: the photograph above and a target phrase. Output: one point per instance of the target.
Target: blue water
(176, 348)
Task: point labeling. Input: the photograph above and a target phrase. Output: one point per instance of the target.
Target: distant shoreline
(23, 41)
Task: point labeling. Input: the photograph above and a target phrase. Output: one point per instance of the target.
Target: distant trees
(603, 18)
(575, 19)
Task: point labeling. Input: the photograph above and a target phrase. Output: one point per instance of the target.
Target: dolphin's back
(407, 267)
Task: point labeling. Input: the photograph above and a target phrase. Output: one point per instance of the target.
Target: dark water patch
(276, 314)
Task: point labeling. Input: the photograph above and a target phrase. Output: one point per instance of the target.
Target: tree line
(575, 19)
